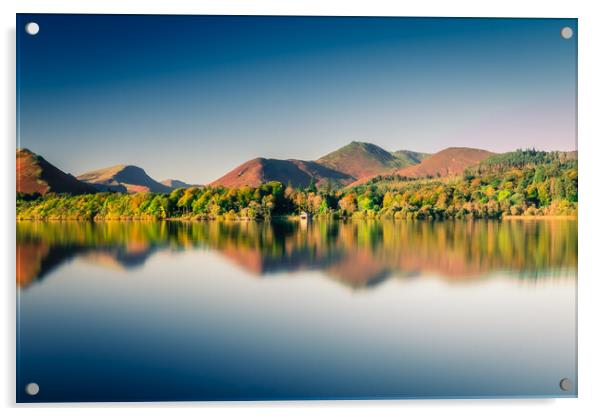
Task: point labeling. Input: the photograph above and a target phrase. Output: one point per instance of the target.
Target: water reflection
(357, 254)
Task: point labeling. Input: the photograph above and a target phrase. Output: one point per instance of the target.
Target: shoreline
(297, 219)
(540, 217)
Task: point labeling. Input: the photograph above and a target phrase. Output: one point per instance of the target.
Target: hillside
(450, 161)
(339, 168)
(520, 159)
(123, 178)
(409, 158)
(298, 173)
(36, 175)
(360, 159)
(175, 184)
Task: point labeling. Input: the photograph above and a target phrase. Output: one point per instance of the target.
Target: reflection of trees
(462, 249)
(358, 254)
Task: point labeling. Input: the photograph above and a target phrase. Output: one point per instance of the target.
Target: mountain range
(339, 168)
(448, 162)
(350, 165)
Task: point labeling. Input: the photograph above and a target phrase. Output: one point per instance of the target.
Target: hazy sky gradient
(190, 97)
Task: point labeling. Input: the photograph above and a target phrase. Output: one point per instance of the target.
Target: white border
(590, 157)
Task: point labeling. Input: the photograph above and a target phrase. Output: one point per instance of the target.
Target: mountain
(338, 168)
(360, 160)
(123, 178)
(298, 172)
(175, 184)
(36, 175)
(450, 161)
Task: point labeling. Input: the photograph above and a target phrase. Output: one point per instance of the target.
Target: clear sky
(191, 97)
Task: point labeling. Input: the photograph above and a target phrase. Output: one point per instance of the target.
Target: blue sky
(190, 97)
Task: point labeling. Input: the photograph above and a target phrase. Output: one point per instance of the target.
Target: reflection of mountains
(365, 253)
(36, 259)
(358, 254)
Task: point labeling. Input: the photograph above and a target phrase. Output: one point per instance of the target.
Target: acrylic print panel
(269, 208)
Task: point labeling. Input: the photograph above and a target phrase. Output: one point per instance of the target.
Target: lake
(144, 311)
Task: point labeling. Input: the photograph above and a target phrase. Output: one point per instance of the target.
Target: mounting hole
(32, 389)
(565, 384)
(32, 28)
(566, 32)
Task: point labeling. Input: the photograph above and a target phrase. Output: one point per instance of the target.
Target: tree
(312, 186)
(348, 204)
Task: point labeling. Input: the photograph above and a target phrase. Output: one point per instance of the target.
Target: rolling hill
(450, 161)
(123, 178)
(360, 159)
(36, 175)
(338, 168)
(298, 172)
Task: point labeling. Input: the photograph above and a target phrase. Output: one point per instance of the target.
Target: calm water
(135, 311)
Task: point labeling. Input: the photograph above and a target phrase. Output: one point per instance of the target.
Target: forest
(520, 183)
